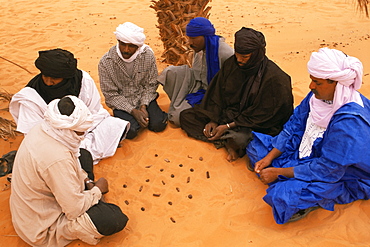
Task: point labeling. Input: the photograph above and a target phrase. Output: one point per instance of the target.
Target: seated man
(186, 86)
(322, 155)
(48, 201)
(250, 92)
(60, 77)
(128, 79)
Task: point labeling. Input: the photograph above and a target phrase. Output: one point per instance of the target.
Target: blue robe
(337, 170)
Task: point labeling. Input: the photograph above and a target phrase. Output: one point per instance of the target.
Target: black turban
(57, 63)
(250, 41)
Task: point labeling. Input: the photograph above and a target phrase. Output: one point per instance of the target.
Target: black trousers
(157, 119)
(107, 217)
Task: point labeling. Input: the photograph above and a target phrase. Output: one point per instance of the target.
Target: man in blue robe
(321, 157)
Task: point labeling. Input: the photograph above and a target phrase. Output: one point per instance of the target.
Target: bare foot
(232, 156)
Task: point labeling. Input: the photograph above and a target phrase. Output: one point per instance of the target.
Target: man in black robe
(249, 93)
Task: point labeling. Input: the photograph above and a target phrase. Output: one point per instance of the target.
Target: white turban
(62, 127)
(337, 66)
(130, 33)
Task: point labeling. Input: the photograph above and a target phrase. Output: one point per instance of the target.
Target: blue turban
(201, 26)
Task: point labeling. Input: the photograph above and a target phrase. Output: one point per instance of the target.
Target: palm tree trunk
(173, 16)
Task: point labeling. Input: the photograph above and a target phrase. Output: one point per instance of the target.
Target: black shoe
(6, 163)
(302, 213)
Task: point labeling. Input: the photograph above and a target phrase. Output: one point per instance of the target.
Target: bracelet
(228, 125)
(89, 181)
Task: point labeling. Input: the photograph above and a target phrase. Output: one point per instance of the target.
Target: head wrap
(250, 41)
(131, 34)
(201, 26)
(62, 127)
(337, 66)
(57, 63)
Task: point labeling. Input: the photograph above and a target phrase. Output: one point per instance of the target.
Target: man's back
(35, 174)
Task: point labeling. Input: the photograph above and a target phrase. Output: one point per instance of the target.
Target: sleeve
(150, 85)
(65, 184)
(272, 106)
(91, 97)
(108, 84)
(342, 146)
(291, 135)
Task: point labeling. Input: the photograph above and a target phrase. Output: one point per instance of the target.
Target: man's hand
(218, 132)
(269, 175)
(213, 131)
(141, 116)
(262, 164)
(102, 184)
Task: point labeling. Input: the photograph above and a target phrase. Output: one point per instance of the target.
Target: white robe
(27, 108)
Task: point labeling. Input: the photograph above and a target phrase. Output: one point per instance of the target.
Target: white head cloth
(337, 66)
(62, 127)
(132, 34)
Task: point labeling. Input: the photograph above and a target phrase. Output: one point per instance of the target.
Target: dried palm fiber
(363, 6)
(7, 127)
(173, 16)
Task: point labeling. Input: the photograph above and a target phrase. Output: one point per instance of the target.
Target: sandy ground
(204, 200)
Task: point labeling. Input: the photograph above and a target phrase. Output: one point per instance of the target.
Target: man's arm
(64, 180)
(150, 84)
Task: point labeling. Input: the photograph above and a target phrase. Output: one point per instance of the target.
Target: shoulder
(147, 53)
(48, 151)
(354, 110)
(224, 48)
(274, 71)
(111, 54)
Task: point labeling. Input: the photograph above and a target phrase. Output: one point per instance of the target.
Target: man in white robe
(60, 77)
(53, 201)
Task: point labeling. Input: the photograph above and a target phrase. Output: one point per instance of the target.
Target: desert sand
(204, 201)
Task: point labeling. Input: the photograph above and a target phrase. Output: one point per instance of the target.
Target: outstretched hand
(262, 164)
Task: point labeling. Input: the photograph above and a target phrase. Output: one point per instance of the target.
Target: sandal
(249, 165)
(302, 213)
(6, 163)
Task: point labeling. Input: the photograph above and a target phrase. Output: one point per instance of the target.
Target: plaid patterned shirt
(124, 92)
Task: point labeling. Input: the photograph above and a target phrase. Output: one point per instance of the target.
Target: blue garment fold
(195, 98)
(213, 63)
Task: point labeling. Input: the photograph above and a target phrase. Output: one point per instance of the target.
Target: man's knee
(159, 125)
(107, 218)
(132, 133)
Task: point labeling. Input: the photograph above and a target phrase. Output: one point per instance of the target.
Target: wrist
(89, 184)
